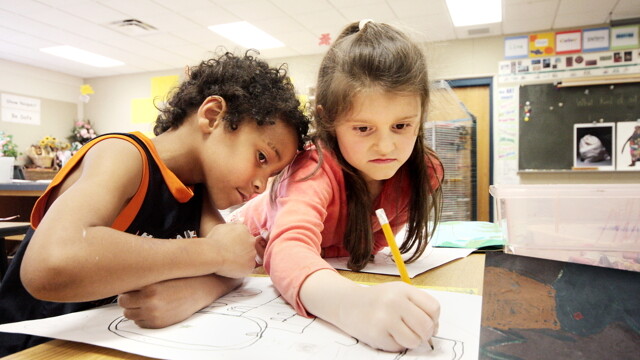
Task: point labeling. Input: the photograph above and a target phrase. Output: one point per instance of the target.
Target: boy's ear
(211, 113)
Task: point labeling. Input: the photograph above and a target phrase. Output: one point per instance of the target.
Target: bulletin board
(548, 114)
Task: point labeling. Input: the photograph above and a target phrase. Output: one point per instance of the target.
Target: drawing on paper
(239, 320)
(250, 322)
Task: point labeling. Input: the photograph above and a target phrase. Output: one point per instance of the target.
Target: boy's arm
(74, 255)
(392, 316)
(168, 302)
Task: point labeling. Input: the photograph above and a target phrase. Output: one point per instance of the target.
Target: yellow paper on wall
(162, 85)
(143, 111)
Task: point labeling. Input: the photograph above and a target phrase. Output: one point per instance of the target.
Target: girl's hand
(392, 316)
(168, 302)
(236, 249)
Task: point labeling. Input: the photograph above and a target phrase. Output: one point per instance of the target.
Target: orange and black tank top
(163, 207)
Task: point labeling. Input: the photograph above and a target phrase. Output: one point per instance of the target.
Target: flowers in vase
(44, 152)
(82, 132)
(7, 146)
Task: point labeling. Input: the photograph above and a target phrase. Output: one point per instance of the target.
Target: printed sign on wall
(542, 44)
(568, 42)
(595, 39)
(516, 47)
(20, 109)
(624, 37)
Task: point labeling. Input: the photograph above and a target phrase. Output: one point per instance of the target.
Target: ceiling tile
(412, 8)
(252, 10)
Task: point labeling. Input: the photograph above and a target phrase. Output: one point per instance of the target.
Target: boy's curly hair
(251, 88)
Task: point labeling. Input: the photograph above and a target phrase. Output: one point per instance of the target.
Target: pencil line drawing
(239, 320)
(252, 321)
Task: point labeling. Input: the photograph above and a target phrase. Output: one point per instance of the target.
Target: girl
(372, 94)
(101, 227)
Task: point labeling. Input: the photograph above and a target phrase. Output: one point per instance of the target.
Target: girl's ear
(319, 111)
(211, 113)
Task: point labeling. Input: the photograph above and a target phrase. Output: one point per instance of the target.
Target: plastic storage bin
(584, 223)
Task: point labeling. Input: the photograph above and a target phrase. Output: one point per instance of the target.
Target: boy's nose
(259, 185)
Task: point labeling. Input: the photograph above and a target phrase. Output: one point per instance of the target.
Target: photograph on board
(628, 149)
(593, 146)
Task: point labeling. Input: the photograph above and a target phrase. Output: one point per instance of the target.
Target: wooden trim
(599, 80)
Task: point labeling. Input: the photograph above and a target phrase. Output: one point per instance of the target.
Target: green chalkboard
(546, 135)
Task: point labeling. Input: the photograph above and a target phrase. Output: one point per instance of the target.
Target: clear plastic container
(594, 224)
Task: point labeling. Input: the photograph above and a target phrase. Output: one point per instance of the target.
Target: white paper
(383, 261)
(252, 322)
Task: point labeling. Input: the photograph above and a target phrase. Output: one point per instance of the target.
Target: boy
(101, 227)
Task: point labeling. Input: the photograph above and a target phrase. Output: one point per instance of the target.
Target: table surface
(8, 228)
(545, 309)
(23, 188)
(460, 274)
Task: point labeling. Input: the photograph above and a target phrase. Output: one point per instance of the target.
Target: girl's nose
(385, 143)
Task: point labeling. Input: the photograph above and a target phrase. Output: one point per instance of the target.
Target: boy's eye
(262, 158)
(401, 126)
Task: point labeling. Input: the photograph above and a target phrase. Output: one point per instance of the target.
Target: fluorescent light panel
(247, 35)
(81, 56)
(474, 12)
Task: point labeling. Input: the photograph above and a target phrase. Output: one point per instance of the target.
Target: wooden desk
(9, 228)
(462, 273)
(18, 198)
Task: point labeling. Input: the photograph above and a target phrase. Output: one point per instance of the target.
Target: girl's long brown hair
(377, 56)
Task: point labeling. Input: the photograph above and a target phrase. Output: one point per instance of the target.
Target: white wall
(109, 108)
(59, 96)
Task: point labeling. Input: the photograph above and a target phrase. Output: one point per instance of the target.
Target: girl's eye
(361, 129)
(401, 126)
(262, 158)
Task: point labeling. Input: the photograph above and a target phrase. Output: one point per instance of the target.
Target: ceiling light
(247, 35)
(474, 12)
(81, 56)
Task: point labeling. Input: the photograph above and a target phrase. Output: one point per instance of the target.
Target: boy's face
(239, 163)
(378, 134)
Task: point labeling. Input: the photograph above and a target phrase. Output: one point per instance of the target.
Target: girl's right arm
(74, 255)
(392, 316)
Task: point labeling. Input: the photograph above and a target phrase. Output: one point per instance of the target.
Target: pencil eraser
(382, 216)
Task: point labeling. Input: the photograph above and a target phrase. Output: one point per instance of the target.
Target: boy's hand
(168, 302)
(236, 249)
(392, 316)
(261, 246)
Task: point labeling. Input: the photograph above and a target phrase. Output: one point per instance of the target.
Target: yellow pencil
(391, 240)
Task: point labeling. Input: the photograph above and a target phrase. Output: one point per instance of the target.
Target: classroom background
(488, 66)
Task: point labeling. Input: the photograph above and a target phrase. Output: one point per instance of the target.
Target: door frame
(482, 81)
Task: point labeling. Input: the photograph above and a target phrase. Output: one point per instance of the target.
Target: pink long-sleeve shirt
(307, 221)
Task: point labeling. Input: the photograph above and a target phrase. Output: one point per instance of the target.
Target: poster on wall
(20, 109)
(594, 146)
(568, 42)
(516, 47)
(628, 149)
(542, 44)
(595, 39)
(624, 37)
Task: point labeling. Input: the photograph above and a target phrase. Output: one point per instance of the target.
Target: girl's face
(378, 135)
(240, 162)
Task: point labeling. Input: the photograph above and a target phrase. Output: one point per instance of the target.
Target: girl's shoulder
(313, 160)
